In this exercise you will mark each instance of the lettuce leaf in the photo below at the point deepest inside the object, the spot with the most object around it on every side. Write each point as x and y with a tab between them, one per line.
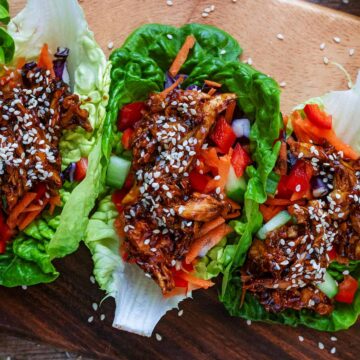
27	260
344	106
138	68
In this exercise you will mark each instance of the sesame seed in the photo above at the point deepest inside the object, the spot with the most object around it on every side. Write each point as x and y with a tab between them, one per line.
280	36
322	46
301	338
181	312
321	346
333	338
282	84
102	317
92	279
325	60
337	39
110	45
90	319
158	337
204	14
95	306
248	322
222	52
351	52
24	287
169	3
333	350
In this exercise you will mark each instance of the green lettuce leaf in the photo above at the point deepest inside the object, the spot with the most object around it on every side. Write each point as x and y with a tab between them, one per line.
27	260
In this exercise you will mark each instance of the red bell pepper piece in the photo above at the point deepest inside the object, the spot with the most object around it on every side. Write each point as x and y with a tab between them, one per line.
198	181
126	138
5	233
130	114
81	169
347	290
240	160
332	254
318	116
223	135
40	190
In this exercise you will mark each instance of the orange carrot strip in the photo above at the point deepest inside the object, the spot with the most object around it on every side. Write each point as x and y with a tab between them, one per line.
31	208
175	292
19	208
45	60
131	195
213	84
54	201
205	284
211	225
268	212
168	90
230	112
212	91
285	121
182	55
304	128
233	215
206	242
32	216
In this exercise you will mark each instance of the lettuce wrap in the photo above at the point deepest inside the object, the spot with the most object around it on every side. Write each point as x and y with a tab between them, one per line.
344	108
28	258
139	68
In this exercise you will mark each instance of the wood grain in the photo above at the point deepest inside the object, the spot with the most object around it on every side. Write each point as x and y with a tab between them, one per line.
58	313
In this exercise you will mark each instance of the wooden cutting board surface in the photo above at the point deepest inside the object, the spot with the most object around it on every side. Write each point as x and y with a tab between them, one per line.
58	313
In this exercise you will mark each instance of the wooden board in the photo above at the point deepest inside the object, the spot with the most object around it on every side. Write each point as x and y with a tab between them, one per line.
58	313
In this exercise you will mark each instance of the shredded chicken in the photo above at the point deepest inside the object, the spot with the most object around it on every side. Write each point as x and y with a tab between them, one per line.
160	222
34	113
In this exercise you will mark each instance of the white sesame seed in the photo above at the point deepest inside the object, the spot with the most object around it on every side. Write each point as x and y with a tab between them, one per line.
204	14
280	36
333	350
102	317
92	279
248	322
24	287
90	319
333	338
249	61
325	60
169	3
351	52
282	84
169	36
336	39
301	338
321	346
95	306
322	46
110	45
222	52
158	337
180	313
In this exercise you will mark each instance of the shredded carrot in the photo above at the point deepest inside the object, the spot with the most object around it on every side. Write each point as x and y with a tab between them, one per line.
212	91
32	216
182	55
233	204
306	194
45	60
207	241
213	84
175	292
31	208
131	196
230	111
211	225
279	202
19	208
233	215
119	227
285	121
168	90
205	284
20	63
306	131
268	212
54	201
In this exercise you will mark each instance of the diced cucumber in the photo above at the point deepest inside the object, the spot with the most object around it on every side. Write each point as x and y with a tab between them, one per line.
117	171
278	220
329	286
235	187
